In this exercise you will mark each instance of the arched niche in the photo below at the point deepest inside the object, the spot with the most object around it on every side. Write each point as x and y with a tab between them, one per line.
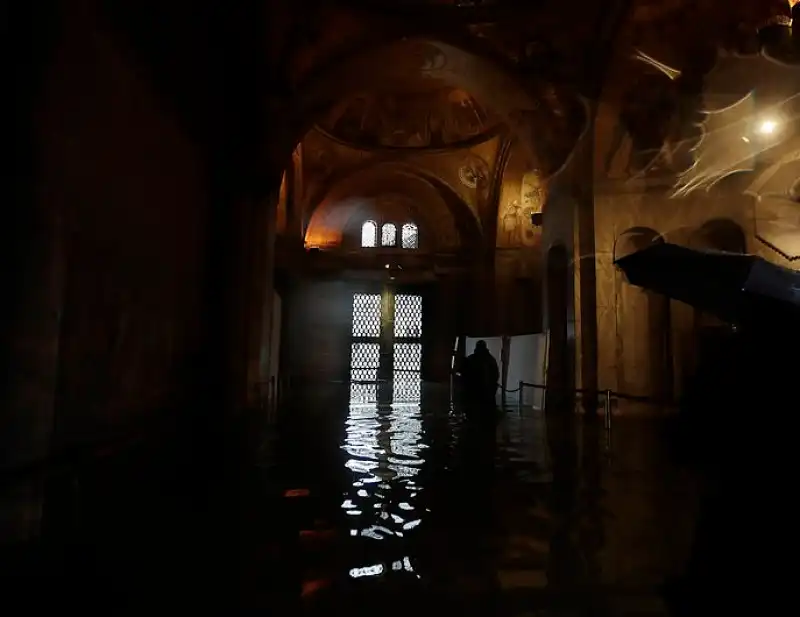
448	222
643	327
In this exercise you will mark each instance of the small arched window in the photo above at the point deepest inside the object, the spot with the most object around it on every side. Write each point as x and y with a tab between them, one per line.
410	236
369	234
389	234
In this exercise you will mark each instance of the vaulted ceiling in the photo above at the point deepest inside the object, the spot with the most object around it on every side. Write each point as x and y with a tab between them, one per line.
439	89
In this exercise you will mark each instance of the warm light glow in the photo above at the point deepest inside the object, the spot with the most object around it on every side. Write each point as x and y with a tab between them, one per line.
767	127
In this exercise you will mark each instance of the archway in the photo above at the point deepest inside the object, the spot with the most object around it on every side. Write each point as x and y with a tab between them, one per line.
643	328
520	109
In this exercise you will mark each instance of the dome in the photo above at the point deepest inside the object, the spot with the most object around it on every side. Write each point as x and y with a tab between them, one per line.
437	118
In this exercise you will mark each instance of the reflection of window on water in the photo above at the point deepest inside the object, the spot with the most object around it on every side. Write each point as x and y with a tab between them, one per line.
385	453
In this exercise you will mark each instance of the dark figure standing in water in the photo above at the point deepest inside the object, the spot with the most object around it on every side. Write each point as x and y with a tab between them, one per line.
480	375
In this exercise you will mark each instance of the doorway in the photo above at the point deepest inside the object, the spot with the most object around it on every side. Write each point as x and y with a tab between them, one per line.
386	347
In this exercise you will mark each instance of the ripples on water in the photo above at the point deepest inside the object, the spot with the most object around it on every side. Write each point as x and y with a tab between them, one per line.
391	465
385	453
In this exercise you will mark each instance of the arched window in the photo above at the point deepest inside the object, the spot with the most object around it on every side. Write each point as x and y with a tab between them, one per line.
369	234
409	236
389	234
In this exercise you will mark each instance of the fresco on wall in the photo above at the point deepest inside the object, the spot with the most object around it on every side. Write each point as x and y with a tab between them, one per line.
522	195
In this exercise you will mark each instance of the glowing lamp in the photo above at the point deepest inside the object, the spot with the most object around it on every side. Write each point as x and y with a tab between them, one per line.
767	127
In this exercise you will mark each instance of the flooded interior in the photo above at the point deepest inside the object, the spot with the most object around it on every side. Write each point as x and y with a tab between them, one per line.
408	502
271	265
354	506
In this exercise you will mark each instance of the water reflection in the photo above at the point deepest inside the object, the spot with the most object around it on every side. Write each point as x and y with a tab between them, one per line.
385	454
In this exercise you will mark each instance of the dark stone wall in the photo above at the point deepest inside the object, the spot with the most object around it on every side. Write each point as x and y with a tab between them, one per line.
132	194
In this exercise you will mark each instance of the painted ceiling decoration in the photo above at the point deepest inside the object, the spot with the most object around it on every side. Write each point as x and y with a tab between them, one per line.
474	173
437	117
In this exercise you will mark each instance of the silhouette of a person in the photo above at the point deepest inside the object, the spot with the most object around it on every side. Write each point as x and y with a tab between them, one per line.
480	374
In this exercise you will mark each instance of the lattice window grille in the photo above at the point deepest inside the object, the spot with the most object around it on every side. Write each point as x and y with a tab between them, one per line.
366	315
389	235
407	316
364	361
369	234
409	236
407	357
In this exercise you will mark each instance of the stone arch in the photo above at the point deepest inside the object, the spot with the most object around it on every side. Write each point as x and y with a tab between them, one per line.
435	207
455	63
643	327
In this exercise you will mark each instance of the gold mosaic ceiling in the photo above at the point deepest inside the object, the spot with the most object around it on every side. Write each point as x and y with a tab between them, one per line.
430	118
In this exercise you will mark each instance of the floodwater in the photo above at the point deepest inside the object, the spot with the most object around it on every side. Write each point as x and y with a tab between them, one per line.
365	508
410	503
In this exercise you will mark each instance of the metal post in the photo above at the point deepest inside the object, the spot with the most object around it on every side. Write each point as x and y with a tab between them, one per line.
607	410
519	395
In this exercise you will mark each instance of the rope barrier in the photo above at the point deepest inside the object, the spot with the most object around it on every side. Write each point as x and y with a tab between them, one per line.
600	393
